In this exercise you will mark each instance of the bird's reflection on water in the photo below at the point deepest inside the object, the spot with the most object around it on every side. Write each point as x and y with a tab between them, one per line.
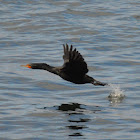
69	107
78	117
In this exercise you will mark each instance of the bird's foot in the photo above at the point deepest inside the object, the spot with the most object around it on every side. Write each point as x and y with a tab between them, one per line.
98	83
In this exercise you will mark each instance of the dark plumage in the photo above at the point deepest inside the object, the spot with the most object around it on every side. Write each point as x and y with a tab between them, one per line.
74	68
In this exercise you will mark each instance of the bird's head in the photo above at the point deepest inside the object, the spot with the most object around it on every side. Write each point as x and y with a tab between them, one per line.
34	65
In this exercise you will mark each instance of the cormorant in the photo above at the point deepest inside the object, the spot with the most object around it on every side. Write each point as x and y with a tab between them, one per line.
74	68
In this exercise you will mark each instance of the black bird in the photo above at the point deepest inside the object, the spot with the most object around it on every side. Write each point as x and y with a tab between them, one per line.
74	68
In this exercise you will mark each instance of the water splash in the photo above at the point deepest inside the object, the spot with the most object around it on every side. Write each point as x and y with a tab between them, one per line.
117	94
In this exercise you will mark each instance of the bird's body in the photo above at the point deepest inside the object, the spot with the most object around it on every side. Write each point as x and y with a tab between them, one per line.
74	68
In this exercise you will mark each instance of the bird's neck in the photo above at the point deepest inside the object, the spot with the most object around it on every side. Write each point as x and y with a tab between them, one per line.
44	66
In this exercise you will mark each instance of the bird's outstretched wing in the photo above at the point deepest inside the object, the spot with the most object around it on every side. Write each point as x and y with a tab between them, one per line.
74	63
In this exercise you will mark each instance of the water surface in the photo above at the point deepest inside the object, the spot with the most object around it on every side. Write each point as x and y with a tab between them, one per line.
36	104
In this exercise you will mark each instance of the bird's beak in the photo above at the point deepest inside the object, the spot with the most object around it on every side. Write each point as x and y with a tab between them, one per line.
28	66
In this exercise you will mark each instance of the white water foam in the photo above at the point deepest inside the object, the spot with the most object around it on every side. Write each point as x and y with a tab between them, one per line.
116	93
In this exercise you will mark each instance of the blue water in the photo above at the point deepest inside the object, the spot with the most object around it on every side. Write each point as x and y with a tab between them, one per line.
38	105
